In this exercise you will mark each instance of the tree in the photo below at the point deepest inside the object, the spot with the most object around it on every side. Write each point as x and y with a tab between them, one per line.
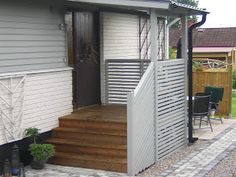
193	3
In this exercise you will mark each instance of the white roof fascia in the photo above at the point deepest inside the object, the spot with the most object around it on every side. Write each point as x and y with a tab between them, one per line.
128	3
185	6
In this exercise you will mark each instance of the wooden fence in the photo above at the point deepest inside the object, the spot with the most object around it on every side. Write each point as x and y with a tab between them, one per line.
222	78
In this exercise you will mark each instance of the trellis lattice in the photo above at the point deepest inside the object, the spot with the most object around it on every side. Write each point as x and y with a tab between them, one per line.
161	24
144	38
12	105
207	63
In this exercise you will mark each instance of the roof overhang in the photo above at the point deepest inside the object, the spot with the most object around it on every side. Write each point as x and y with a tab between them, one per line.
164	7
137	4
212	49
186	9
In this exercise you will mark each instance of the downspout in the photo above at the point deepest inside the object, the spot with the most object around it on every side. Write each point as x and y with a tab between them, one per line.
190	77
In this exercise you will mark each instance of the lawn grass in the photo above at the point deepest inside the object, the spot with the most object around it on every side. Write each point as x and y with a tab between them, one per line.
234	105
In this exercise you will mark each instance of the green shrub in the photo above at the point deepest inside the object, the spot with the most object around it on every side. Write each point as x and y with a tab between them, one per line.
234	79
41	151
32	133
172	54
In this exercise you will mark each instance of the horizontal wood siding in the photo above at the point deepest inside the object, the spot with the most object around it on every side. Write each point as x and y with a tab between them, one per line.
30	37
119	39
47	97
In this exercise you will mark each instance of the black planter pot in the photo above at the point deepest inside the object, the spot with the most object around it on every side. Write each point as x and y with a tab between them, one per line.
38	164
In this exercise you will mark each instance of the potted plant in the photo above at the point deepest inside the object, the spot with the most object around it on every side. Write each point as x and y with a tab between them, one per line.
40	152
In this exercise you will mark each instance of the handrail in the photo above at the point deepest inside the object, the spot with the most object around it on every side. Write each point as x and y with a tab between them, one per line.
141	83
128	60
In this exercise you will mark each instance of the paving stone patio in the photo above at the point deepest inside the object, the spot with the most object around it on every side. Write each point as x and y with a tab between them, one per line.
61	171
205	133
200	162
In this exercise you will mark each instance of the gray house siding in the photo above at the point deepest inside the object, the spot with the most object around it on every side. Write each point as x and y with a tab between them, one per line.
30	35
119	40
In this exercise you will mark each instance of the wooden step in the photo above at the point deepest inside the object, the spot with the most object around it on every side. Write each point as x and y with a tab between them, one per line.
72	146
88	161
89	136
93	137
93	124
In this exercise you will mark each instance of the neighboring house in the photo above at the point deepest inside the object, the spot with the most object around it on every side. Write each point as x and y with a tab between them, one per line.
113	44
211	43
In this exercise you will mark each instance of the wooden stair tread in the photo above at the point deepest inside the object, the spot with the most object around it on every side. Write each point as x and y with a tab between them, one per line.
91	158
107	108
76	130
98	131
93	137
94	118
79	143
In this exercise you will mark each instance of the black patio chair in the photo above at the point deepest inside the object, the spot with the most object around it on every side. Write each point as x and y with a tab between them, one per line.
201	108
217	94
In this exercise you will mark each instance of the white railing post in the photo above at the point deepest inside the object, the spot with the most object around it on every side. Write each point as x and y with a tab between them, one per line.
184	53
130	139
154	35
154	53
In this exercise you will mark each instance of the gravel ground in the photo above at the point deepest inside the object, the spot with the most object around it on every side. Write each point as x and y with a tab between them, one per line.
170	160
226	168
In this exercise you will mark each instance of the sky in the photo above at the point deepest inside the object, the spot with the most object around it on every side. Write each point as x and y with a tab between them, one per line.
222	13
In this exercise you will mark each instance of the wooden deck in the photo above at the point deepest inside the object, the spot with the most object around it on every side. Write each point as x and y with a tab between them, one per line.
94	137
115	113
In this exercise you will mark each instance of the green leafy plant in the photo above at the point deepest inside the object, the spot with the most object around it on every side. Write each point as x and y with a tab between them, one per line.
32	133
234	79
172	54
41	151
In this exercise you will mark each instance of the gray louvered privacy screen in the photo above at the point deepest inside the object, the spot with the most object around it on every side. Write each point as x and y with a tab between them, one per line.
122	76
157	114
170	106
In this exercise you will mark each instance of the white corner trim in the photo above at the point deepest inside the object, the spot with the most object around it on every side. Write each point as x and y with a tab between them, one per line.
36	71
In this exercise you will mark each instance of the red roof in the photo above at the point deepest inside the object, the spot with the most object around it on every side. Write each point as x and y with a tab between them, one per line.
208	37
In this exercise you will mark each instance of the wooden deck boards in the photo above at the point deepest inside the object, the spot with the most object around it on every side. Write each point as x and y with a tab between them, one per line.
100	113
